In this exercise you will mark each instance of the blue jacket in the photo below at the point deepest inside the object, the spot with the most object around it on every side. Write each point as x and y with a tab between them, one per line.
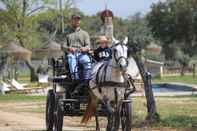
103	54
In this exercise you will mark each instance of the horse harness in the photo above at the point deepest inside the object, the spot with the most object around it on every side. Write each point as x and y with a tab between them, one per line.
104	82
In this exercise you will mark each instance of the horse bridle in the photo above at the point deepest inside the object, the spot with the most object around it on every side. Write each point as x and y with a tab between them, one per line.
117	60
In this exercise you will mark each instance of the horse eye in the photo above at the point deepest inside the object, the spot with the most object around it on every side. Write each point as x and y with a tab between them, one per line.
114	50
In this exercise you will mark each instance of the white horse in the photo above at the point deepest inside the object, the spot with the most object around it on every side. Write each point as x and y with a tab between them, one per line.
111	86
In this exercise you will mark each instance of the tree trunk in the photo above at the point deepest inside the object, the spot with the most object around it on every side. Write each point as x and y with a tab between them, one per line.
62	16
182	70
33	74
194	70
151	105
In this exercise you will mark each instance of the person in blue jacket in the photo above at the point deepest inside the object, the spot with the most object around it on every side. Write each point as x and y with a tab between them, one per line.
103	52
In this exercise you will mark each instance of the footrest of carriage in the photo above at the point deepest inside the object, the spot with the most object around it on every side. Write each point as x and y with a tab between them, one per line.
57	79
69	100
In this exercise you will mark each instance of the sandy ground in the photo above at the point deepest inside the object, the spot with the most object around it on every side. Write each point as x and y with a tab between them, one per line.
11	119
17	117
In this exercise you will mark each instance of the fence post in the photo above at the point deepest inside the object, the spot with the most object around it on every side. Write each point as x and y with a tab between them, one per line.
161	71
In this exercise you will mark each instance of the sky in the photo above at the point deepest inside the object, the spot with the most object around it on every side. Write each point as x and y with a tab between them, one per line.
121	8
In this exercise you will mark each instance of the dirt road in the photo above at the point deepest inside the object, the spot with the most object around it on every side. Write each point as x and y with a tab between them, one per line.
13	117
17	117
10	121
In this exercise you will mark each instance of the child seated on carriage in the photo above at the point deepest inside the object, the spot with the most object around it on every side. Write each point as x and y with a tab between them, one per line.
103	52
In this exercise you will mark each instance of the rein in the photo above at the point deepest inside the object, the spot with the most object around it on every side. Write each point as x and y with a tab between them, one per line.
113	83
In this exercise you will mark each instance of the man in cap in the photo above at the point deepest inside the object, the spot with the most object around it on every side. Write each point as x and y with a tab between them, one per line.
77	45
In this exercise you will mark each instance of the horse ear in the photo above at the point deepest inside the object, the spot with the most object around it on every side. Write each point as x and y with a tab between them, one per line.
125	41
114	40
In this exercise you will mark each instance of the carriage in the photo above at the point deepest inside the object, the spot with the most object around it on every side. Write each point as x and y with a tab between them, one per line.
61	102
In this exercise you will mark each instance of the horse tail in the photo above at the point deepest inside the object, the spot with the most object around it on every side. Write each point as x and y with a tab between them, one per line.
91	109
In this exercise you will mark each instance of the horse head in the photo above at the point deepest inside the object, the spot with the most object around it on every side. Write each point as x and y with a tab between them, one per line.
119	54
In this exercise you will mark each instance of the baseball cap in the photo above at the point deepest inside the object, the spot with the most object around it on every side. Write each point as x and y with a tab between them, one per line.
76	16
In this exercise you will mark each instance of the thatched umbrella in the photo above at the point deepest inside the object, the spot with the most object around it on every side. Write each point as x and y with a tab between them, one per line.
16	52
49	50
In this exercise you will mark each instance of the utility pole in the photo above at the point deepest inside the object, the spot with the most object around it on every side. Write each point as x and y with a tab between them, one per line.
62	16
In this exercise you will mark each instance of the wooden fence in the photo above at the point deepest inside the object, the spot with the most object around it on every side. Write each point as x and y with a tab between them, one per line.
173	71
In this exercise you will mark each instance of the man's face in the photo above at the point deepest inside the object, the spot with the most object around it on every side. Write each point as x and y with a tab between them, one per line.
76	22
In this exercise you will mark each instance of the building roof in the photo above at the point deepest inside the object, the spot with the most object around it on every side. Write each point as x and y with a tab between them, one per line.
49	50
18	52
148	61
51	46
106	13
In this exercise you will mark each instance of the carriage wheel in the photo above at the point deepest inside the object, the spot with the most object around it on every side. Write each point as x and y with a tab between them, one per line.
59	118
50	104
126	116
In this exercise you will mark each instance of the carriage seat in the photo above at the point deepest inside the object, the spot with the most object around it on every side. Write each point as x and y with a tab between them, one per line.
61	70
59	66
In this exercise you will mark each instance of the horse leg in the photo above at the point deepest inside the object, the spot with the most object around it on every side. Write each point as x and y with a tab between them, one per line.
109	117
113	117
110	121
97	121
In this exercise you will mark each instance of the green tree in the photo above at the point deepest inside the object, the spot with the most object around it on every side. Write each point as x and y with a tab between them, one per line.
19	24
183	59
92	24
174	23
120	27
50	24
139	33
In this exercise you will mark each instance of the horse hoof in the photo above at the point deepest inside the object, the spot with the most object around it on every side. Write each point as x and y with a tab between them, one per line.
98	129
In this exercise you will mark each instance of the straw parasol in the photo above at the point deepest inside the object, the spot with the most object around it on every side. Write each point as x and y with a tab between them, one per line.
49	50
16	51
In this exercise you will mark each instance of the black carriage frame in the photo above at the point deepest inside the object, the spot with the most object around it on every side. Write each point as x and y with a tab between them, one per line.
60	104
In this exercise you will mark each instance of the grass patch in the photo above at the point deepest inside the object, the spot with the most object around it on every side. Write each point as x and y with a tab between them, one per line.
175	112
182	79
20	98
191	97
179	121
24	79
